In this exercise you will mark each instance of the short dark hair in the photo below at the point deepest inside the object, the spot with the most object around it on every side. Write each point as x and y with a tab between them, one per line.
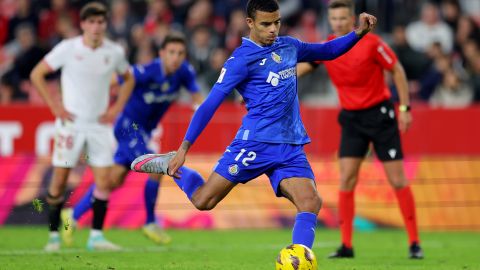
261	5
174	37
342	4
93	9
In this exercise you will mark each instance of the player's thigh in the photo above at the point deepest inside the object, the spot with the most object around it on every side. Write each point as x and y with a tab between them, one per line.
303	193
353	142
291	162
68	144
99	147
213	191
241	162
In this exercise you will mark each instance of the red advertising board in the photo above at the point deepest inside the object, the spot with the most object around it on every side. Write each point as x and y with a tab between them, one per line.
29	129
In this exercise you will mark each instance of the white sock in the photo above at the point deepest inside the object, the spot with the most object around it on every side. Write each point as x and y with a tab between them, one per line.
96	233
54	234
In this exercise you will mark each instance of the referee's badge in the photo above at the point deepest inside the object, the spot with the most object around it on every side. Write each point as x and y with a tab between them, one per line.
233	169
277	58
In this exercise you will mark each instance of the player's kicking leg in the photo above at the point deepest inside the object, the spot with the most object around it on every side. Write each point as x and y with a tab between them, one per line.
203	195
55	200
96	240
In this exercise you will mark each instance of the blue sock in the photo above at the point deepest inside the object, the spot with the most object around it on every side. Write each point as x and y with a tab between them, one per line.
190	181
150	195
304	229
84	204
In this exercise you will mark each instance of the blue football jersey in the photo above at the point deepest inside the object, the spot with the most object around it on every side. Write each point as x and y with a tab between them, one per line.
154	92
266	78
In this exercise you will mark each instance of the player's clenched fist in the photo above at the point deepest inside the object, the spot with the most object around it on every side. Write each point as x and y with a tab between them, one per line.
366	23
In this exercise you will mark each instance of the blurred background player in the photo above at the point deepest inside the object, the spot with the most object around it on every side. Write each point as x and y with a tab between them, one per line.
271	138
157	85
82	117
367	116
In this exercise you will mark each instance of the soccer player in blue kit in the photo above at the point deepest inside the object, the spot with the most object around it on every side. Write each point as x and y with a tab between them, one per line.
271	138
157	85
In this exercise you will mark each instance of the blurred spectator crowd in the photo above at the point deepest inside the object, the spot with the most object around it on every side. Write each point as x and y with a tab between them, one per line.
438	42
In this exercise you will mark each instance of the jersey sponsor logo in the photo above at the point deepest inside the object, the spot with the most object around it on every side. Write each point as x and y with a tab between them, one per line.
78	57
222	74
150	98
233	169
165	86
274	78
287	73
277	58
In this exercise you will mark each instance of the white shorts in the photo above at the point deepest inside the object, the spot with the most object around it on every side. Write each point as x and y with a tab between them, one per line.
94	140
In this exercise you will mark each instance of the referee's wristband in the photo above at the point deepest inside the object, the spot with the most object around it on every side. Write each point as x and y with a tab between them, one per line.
404	108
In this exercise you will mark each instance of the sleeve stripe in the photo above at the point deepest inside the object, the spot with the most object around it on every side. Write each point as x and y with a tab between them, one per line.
384	54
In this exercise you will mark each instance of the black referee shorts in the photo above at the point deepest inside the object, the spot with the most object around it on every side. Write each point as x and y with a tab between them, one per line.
377	124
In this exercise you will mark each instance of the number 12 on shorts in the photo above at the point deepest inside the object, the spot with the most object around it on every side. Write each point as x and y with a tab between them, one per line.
250	157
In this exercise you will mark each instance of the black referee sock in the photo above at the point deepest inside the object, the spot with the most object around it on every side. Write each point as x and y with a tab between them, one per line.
54	216
99	213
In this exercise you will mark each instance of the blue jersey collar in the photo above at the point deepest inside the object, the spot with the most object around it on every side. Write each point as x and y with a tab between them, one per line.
246	39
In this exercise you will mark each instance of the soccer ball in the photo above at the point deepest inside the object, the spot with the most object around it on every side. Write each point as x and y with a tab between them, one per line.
296	257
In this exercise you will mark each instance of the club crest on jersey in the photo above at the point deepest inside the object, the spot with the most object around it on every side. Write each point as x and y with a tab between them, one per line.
165	86
233	169
277	58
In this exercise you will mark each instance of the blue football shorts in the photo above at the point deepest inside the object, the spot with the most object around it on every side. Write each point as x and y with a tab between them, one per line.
132	140
246	160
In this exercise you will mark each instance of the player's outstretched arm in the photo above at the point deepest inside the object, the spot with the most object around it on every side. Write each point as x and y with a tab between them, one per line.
310	52
198	123
37	76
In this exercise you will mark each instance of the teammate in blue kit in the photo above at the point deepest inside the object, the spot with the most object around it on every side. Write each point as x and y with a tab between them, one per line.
271	138
157	85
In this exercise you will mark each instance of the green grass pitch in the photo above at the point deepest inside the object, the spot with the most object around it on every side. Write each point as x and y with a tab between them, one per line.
21	248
